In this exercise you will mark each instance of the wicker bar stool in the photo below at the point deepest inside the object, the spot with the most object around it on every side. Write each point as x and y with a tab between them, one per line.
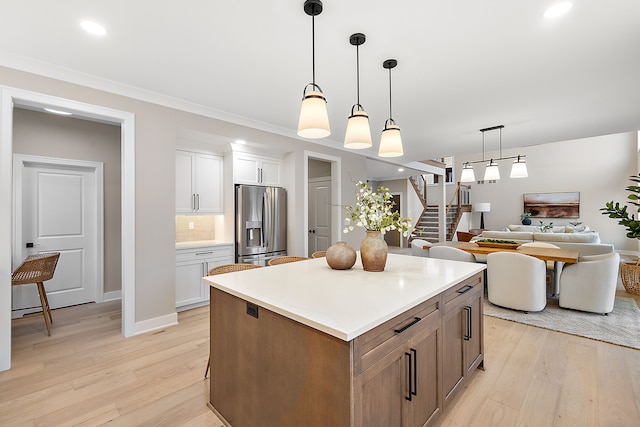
38	269
319	254
285	259
221	269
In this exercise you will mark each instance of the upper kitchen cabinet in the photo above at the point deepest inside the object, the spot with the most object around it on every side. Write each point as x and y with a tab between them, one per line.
199	187
252	169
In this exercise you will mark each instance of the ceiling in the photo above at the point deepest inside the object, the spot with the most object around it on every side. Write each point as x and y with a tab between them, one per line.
462	65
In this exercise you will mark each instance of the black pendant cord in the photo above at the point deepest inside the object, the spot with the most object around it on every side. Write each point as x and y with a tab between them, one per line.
483	146
313	50
390	115
358	73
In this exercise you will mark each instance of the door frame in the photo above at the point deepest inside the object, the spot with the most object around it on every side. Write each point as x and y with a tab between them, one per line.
20	161
336	194
11	97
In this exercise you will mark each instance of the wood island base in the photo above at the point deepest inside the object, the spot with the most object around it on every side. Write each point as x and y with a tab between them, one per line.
269	370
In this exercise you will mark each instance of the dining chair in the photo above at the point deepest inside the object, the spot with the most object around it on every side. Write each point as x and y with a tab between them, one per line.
454	254
419	247
286	259
38	269
516	281
590	284
222	269
319	254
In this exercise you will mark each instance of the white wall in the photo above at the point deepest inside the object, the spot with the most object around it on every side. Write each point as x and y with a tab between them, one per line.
597	167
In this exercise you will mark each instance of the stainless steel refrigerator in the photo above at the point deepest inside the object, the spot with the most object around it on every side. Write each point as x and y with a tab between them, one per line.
261	223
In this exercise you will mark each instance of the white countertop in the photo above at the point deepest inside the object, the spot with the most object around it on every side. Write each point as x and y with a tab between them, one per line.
344	303
201	243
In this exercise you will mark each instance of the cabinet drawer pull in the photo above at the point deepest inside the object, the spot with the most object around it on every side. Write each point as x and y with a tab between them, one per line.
204	253
407	326
409	375
465	289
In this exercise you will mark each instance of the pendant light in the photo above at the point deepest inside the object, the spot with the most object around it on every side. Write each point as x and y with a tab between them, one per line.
467	174
358	134
492	173
519	168
314	120
391	141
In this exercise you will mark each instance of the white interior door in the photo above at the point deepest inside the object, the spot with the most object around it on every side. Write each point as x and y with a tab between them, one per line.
319	215
60	209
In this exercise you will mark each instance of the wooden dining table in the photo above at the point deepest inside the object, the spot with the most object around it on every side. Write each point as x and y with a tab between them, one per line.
557	256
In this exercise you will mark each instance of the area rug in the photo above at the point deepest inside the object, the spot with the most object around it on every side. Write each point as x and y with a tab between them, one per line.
620	327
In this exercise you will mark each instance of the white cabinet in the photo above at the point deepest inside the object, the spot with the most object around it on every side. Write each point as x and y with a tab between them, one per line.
251	169
192	265
198	183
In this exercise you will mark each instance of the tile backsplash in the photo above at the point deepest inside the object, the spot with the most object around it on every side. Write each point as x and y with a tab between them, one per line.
203	228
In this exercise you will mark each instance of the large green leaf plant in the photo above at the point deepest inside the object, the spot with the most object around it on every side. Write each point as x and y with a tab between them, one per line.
620	212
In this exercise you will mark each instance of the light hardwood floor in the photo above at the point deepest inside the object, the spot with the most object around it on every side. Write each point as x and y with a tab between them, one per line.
87	374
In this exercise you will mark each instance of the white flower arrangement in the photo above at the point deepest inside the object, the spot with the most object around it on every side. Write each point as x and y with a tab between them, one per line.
373	211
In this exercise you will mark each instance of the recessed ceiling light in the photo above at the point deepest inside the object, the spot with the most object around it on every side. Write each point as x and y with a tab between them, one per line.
557	10
93	28
400	169
241	141
60	112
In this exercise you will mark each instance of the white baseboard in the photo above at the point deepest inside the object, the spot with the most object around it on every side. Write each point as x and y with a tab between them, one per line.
156	323
111	296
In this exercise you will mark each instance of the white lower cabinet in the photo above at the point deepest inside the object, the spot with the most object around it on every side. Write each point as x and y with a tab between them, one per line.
192	264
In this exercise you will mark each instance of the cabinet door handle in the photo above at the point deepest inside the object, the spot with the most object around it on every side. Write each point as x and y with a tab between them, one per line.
407	326
465	289
467	313
193	202
414	388
198	201
409	375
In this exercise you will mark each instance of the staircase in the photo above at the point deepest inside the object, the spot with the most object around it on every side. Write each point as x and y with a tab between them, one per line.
427	227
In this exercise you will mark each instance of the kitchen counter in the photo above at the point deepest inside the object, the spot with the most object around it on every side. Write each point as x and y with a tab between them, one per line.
302	344
344	303
201	243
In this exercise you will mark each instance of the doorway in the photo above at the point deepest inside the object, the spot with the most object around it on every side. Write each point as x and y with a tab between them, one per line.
322	184
11	98
58	208
393	237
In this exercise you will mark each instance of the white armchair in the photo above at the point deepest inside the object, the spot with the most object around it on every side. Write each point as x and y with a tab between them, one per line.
516	281
590	284
419	247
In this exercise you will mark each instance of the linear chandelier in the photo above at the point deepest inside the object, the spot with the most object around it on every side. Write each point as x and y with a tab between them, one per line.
491	172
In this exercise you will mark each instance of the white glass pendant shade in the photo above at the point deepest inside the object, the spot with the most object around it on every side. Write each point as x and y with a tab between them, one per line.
467	174
358	134
519	168
492	173
314	120
391	142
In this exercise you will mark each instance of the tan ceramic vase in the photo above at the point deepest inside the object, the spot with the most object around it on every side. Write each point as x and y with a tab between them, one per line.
373	251
341	256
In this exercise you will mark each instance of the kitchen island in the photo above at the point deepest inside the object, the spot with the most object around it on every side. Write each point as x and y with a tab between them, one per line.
302	344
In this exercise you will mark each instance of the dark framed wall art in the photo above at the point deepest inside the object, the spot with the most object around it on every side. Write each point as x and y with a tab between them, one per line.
553	205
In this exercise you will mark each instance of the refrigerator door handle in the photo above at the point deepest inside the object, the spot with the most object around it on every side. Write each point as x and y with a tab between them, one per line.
265	222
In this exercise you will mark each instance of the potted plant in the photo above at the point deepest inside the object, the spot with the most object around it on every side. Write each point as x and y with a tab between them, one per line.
629	272
525	218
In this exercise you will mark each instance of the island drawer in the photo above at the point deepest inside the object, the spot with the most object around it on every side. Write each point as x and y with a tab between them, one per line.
455	296
375	344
